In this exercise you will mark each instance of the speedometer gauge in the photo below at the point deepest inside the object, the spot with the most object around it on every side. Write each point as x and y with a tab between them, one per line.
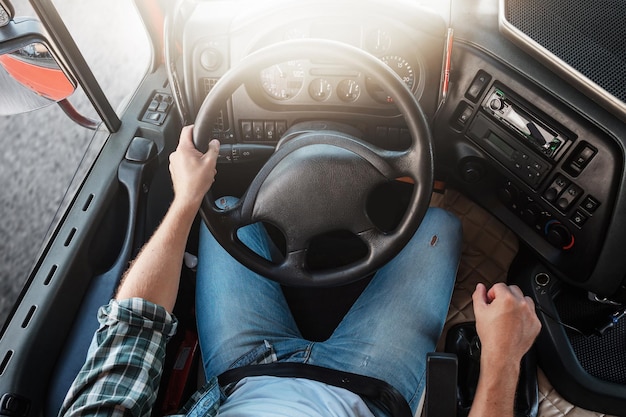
283	81
400	66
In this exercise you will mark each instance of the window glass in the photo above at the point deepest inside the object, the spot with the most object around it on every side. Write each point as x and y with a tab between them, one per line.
113	41
41	150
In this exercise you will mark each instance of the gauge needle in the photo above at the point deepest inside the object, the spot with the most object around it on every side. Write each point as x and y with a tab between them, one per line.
280	71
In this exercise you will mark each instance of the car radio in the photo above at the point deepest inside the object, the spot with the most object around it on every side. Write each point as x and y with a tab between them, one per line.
517	138
528	128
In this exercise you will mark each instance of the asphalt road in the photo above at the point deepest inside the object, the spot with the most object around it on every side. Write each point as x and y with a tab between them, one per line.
39	151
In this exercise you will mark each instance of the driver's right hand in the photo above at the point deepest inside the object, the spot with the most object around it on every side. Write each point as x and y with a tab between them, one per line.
506	322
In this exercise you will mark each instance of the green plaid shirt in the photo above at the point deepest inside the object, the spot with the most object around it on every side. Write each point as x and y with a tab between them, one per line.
124	364
125	360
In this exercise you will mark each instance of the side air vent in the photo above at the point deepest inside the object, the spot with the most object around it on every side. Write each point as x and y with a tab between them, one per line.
586	37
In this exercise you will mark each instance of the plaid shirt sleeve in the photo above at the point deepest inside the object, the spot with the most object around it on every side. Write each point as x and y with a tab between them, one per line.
123	368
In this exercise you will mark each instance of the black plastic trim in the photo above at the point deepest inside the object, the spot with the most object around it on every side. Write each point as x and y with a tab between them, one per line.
70	53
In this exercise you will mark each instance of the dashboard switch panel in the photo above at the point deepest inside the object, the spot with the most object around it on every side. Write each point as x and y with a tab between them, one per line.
262	130
540	219
562	193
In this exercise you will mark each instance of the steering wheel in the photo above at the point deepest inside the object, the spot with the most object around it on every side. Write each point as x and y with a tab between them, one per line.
319	181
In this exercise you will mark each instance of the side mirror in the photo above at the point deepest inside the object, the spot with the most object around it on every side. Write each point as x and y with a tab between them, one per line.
31	77
6	12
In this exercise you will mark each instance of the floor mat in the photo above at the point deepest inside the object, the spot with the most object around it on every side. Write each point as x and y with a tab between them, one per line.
488	250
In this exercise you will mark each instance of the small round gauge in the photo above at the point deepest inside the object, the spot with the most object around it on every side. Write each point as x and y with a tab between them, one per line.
348	90
378	41
401	67
320	89
283	81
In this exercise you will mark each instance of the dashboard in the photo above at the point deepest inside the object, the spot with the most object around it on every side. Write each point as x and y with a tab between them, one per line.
541	157
304	89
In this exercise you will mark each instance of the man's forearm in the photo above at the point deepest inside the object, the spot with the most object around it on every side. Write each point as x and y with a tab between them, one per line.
124	364
495	394
155	274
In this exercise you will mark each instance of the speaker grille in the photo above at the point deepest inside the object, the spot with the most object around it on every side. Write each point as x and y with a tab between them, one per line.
588	35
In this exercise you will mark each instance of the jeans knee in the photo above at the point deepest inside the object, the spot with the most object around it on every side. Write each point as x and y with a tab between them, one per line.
445	221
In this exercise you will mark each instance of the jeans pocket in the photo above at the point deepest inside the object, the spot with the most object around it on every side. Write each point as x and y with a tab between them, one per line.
263	353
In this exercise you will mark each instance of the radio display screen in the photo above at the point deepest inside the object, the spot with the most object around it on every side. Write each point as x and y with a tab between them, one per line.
500	144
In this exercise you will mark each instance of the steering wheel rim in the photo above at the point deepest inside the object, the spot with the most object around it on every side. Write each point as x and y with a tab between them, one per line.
257	204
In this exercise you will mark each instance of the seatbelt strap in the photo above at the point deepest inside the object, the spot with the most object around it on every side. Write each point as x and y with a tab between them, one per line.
375	390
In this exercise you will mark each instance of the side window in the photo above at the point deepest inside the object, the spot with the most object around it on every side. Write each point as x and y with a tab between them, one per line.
40	151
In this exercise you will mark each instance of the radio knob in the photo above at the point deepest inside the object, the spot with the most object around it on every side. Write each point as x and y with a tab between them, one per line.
558	235
496	104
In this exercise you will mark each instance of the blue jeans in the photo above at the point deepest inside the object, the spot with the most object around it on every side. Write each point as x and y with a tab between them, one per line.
386	334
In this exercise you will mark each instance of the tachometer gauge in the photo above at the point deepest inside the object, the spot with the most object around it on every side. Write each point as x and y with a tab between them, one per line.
283	81
401	67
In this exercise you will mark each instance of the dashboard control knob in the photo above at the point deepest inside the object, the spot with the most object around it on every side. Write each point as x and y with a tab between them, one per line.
211	59
496	104
508	194
472	171
558	235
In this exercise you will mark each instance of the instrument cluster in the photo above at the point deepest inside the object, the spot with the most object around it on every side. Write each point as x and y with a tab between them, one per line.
410	40
323	83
